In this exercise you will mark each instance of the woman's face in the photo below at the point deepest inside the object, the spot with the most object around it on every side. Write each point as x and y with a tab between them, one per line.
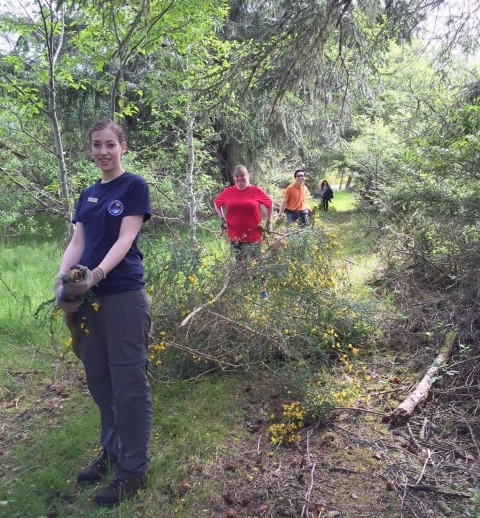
107	151
242	179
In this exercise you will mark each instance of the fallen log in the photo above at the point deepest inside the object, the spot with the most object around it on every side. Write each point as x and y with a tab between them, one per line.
406	408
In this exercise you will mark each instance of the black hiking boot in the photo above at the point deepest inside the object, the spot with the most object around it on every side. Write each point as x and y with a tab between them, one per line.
120	489
97	469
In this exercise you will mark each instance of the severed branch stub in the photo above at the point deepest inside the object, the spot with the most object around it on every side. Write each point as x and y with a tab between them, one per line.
406	408
71	319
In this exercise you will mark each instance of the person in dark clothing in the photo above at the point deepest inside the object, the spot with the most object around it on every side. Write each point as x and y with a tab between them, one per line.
114	342
326	193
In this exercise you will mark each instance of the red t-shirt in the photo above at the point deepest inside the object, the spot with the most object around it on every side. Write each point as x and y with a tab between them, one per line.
243	212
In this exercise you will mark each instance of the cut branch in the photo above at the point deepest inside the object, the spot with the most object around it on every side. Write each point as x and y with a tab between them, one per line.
203	306
405	409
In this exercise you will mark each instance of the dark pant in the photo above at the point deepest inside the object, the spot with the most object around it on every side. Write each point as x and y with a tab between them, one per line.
245	251
325	203
297	215
114	353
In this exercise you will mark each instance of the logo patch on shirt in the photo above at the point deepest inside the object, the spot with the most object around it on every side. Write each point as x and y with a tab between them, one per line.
93	200
115	208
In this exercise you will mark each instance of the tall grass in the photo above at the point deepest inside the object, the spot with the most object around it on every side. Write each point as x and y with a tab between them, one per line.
26	280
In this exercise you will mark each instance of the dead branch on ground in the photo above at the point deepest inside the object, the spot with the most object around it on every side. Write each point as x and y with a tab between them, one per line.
405	409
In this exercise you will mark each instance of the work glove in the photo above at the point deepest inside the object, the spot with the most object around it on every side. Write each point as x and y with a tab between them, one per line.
269	227
90	278
68	305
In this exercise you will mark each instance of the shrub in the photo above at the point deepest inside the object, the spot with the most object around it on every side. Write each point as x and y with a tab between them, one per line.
209	315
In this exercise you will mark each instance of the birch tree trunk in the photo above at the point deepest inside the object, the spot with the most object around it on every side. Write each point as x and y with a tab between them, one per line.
192	201
54	45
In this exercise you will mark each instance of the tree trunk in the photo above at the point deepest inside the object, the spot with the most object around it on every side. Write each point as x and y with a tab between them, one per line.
342	172
192	202
114	94
224	153
53	53
349	182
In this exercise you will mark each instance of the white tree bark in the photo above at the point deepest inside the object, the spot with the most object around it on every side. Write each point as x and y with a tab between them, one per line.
406	408
53	46
192	201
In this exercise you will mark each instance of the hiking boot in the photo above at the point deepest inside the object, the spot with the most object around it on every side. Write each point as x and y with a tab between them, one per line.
97	469
119	489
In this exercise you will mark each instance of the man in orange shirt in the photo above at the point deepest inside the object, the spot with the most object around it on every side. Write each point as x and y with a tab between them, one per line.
294	201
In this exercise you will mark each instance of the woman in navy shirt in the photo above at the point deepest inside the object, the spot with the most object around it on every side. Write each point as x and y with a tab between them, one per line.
107	222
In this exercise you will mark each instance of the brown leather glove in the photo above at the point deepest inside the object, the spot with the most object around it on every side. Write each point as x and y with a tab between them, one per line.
90	278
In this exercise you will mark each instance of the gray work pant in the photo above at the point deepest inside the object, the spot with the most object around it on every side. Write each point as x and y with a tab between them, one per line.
114	353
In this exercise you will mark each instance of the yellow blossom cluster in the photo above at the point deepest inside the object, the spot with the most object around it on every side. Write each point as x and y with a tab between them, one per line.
293	416
156	349
307	315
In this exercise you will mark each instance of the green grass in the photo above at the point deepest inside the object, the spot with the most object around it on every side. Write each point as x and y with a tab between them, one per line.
42	449
40	475
26	280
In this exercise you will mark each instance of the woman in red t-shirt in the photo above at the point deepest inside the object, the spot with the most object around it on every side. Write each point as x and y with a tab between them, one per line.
242	202
244	216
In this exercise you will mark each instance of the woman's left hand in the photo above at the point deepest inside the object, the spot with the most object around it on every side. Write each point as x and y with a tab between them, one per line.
90	278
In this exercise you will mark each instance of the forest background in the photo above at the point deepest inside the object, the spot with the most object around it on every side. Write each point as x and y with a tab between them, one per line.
382	99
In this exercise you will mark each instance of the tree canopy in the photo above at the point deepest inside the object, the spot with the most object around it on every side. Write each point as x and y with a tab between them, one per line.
366	88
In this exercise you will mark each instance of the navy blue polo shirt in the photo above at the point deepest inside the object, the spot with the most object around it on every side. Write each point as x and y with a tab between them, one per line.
101	209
